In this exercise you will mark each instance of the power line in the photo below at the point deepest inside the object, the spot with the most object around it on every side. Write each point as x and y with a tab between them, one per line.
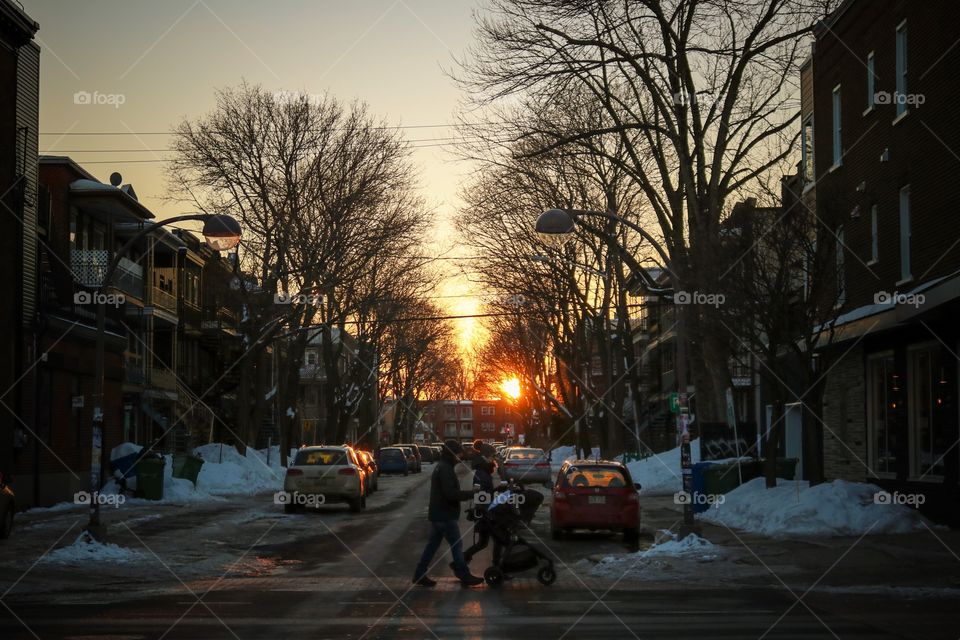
168	133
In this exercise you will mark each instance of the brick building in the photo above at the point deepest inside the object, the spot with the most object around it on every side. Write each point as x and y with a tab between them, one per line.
881	141
488	419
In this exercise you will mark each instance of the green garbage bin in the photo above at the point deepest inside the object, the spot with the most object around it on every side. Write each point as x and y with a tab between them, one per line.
150	478
188	467
720	478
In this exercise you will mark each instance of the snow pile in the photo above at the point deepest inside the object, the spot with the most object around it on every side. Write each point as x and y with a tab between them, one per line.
676	557
561	454
86	549
660	473
837	508
690	545
226	472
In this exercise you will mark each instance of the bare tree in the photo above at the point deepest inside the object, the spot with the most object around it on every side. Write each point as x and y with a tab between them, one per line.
702	95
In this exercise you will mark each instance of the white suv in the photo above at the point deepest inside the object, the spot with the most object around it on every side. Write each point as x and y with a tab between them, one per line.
323	475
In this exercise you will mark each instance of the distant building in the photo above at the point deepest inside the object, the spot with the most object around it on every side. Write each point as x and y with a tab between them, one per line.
466	420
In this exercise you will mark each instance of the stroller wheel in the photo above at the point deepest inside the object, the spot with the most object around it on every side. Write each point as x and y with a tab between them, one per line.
493	576
547	575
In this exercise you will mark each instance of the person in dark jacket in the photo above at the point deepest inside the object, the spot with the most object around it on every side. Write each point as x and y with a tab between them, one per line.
483	476
444	516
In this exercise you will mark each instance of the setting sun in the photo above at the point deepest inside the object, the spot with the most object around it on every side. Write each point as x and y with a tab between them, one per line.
511	387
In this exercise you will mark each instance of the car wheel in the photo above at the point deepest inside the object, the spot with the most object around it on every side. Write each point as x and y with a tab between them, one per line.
7	525
356	504
631	535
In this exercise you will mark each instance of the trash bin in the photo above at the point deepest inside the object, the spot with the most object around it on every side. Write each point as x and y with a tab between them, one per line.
126	465
150	478
186	466
699	472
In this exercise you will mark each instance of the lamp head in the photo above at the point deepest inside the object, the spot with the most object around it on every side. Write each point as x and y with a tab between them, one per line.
221	232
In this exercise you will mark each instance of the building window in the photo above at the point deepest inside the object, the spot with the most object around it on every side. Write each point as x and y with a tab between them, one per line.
874	235
883	404
901	97
466	429
905	271
488	411
871	81
806	151
450	412
311	357
837	131
932	404
466	413
841	277
311	396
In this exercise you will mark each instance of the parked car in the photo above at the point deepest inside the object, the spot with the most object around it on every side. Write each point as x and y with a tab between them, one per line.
413	464
427	453
393	460
324	475
418	463
595	495
528	465
8	506
369	464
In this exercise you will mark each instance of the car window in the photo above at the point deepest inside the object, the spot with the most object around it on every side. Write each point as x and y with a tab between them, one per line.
580	477
391	454
525	454
320	457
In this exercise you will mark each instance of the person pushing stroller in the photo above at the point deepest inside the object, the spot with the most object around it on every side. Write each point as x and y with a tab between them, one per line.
484	489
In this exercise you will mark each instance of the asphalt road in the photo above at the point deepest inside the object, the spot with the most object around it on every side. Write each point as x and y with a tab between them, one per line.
332	574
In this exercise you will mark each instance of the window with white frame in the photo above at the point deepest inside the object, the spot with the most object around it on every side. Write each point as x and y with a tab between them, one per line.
871	81
932	410
466	413
901	97
806	150
841	276
905	233
883	401
837	129
488	411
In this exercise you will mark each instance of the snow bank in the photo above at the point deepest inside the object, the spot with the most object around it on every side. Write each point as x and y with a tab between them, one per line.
226	472
561	454
86	549
837	508
660	473
670	554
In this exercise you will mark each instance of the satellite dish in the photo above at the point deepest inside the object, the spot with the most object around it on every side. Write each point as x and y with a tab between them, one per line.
116	178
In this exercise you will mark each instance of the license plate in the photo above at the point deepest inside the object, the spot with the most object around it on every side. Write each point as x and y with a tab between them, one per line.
597	499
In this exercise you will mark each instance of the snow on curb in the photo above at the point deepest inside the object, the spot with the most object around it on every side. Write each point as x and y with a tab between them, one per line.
678	556
837	508
561	454
660	473
86	549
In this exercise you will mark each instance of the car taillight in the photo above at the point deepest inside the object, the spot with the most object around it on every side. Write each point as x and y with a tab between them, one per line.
294	472
511	464
349	471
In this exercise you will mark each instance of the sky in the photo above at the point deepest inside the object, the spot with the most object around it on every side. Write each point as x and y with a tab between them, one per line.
136	68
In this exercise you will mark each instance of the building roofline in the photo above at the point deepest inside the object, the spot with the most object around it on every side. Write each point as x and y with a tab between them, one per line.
18	18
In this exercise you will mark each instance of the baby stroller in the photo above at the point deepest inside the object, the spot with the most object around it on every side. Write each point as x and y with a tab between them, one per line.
508	512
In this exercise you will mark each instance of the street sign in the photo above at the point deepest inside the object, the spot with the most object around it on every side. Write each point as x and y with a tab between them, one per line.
674	402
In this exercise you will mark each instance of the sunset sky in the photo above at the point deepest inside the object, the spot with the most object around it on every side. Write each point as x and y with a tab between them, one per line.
156	63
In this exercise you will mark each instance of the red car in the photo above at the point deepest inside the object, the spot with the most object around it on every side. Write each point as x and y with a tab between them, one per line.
595	495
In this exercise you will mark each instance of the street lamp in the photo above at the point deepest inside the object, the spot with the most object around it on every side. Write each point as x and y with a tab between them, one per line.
222	233
559	223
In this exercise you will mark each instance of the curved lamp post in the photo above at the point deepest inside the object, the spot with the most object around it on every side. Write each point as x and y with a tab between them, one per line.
555	223
222	233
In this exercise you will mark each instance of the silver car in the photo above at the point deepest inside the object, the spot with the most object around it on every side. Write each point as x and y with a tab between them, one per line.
526	465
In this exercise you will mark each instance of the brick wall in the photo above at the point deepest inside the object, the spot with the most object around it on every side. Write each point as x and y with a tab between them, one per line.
844	413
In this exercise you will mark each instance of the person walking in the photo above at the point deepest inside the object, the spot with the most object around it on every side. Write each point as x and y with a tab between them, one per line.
444	516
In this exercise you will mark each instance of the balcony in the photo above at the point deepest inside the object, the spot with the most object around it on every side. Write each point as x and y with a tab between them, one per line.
163	293
219	318
89	267
163	379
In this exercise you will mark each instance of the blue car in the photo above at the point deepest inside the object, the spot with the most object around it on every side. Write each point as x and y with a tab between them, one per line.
392	460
